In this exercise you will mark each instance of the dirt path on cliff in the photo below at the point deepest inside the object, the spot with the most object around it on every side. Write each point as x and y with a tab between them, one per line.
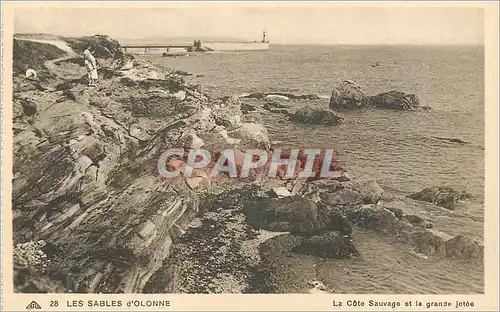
54	66
62	45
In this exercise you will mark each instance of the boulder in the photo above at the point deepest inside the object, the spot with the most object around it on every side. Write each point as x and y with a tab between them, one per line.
289	214
29	107
343	196
359	192
313	115
156	104
348	95
252	135
462	246
440	239
395	100
374	217
445	197
295	214
327	245
370	191
227	112
432	242
423	241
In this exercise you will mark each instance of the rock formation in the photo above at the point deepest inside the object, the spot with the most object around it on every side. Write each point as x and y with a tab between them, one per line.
252	135
85	176
348	95
327	245
445	197
395	100
313	115
93	214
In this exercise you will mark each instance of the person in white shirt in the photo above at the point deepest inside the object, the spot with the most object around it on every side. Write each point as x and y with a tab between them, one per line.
91	65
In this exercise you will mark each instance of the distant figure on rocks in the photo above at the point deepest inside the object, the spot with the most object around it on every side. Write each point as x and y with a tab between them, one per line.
91	65
31	74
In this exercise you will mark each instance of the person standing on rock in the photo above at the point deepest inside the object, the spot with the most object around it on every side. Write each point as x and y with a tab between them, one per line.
91	65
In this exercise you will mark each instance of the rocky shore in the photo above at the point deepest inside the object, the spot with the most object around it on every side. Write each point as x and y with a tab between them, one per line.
92	214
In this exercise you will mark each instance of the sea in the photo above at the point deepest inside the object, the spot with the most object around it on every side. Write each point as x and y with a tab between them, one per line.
396	148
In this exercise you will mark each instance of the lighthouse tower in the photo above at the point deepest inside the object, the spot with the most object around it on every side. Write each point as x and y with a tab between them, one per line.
264	37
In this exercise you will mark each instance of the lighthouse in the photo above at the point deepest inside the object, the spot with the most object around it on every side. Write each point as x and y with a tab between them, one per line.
264	37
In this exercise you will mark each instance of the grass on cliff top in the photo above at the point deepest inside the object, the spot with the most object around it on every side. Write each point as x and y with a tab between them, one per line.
29	54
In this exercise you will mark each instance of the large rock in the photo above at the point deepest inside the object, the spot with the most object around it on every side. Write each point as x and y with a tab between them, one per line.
431	242
424	242
370	191
445	197
395	100
252	135
348	95
327	245
227	112
290	214
295	214
463	247
345	196
313	115
375	218
360	192
157	104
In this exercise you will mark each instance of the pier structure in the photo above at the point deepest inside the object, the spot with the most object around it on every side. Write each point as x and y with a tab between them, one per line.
147	47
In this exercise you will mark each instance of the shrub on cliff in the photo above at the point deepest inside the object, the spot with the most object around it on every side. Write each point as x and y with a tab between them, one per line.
105	47
29	54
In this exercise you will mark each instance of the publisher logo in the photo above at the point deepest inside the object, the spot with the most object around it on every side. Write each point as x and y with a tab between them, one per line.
33	306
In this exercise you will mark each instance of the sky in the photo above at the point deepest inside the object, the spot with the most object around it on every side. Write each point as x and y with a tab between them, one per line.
285	24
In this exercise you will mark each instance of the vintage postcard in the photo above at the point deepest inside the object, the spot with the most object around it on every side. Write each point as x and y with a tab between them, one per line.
290	156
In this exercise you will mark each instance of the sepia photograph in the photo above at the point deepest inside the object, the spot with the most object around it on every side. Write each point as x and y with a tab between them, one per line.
281	148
